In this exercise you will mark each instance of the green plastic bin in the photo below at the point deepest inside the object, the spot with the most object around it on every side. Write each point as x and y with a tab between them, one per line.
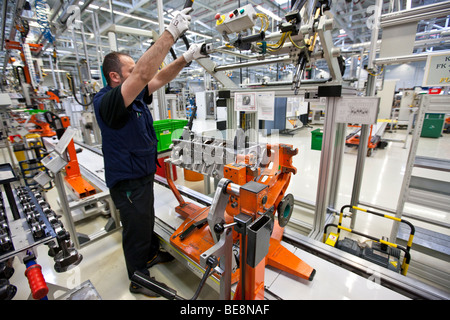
164	130
316	139
433	125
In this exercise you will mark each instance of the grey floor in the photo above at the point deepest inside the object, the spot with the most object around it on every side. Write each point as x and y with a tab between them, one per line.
103	263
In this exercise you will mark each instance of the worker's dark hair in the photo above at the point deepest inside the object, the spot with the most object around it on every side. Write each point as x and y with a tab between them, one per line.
111	63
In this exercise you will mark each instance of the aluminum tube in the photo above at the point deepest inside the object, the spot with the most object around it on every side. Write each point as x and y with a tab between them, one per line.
374	35
161	93
237	54
113	20
55	12
325	169
85	5
95	17
251	64
83	38
75	45
50	60
4	10
159	4
97	46
443	33
419	13
284	83
65	208
12	30
401	59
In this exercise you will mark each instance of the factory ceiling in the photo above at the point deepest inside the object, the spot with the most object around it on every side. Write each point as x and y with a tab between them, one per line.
136	25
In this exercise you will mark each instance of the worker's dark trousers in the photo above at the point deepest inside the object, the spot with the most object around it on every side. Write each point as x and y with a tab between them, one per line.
134	199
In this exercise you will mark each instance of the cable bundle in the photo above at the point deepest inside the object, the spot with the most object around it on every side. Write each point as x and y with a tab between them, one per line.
42	19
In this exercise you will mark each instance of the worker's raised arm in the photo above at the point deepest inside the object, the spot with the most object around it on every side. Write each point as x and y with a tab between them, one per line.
171	71
148	65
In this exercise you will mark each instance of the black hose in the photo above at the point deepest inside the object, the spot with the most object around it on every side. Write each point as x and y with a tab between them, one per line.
145	281
75	95
202	283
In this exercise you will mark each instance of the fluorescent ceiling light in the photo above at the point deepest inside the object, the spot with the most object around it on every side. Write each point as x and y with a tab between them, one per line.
203	24
269	13
55	70
50	50
95	7
199	34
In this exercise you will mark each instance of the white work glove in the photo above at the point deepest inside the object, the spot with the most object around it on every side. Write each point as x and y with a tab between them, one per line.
179	24
193	53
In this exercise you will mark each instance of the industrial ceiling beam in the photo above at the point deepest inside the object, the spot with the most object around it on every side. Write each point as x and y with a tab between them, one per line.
17	12
4	12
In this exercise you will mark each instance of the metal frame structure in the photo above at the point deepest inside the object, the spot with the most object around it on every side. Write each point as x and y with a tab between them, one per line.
408	193
334	133
104	17
333	144
405	285
68	206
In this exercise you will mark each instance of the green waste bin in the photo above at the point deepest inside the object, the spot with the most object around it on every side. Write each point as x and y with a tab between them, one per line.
433	125
316	139
164	130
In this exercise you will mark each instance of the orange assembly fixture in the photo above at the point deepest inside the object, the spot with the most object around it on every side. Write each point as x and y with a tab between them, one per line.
34	47
43	129
73	176
254	195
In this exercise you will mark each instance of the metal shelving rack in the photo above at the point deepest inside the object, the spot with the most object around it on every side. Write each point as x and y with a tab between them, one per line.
424	191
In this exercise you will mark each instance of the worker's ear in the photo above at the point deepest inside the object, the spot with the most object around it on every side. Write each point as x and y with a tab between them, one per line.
114	76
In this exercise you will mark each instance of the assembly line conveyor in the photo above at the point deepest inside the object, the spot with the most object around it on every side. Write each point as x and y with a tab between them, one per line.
339	275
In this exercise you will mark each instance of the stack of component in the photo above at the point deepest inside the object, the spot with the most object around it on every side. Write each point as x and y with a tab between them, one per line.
33	216
5	237
26	221
208	155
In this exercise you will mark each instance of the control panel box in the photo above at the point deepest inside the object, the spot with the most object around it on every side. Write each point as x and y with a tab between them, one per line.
237	20
5	100
54	162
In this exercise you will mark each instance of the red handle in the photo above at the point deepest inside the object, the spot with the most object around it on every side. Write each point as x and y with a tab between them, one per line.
36	281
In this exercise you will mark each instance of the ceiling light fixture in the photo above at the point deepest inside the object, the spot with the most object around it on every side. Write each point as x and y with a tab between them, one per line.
94	7
268	12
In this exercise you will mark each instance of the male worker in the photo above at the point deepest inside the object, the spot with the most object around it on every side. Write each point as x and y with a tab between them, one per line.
129	140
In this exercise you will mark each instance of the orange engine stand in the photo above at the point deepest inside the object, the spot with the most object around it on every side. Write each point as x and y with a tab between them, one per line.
44	128
73	177
260	193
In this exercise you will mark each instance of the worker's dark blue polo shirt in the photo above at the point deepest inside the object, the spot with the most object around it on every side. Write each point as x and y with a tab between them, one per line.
128	137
